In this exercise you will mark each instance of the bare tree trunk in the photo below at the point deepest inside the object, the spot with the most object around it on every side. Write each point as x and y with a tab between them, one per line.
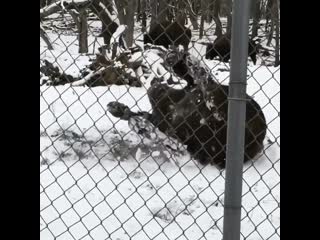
153	5
272	16
267	22
277	23
170	11
268	13
216	10
120	4
195	6
270	34
192	16
229	16
203	16
83	31
194	21
103	12
126	10
144	15
80	19
138	10
208	9
129	17
162	11
256	18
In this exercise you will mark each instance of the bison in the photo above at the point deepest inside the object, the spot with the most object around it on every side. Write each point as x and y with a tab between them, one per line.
197	116
169	33
221	48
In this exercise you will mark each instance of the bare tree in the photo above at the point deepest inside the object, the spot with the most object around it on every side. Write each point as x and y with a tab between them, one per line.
277	23
153	22
229	15
216	10
121	8
143	15
256	17
203	16
130	21
103	10
83	31
196	6
126	10
268	8
80	19
210	11
171	9
272	11
162	10
138	10
192	15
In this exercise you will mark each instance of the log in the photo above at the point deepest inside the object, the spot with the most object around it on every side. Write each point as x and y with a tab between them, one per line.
83	81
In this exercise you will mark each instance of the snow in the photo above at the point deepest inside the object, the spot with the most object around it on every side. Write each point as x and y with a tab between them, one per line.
99	180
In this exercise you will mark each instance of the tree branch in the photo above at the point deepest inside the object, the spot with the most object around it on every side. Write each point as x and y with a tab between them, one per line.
69	4
45	37
87	78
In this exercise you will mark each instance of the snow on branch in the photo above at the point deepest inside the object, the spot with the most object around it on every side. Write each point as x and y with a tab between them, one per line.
118	34
64	5
105	9
83	81
133	67
117	41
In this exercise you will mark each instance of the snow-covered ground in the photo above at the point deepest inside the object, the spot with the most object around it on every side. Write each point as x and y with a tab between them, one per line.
99	180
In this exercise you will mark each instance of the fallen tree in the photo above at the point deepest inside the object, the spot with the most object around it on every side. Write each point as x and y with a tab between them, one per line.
64	5
119	67
131	66
188	105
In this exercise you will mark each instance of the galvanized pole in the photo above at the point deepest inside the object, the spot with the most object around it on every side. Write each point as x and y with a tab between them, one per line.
236	120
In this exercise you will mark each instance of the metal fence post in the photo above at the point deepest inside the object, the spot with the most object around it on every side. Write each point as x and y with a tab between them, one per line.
236	120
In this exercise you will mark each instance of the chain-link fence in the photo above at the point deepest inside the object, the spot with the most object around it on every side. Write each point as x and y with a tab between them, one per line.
133	119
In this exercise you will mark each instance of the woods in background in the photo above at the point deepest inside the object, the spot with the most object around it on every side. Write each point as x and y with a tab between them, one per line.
264	17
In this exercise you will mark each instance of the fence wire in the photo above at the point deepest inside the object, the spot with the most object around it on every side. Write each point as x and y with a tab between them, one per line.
133	113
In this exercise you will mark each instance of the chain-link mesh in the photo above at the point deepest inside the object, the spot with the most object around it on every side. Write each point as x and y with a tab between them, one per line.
133	113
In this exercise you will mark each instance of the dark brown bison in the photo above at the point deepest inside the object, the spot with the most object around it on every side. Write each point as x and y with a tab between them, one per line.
169	33
221	48
197	117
